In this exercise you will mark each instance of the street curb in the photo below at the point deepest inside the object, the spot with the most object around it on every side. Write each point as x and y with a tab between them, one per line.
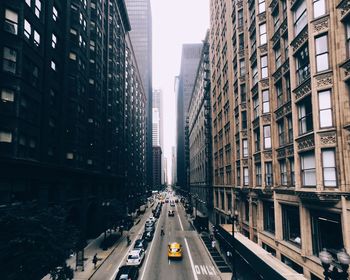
98	267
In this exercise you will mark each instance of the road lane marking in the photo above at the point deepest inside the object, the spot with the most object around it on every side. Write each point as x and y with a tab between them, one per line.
178	216
205	270
192	265
150	250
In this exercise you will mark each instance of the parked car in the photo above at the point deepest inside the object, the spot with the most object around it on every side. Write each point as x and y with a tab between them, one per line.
141	244
135	257
149	223
148	235
127	272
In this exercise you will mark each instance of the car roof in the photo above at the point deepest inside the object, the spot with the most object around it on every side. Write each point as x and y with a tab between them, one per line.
135	251
175	245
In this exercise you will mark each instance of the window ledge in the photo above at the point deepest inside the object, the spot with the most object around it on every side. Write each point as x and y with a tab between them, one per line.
290	245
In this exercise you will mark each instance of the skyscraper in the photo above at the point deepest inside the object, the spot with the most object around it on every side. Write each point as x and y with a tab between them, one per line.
184	85
140	17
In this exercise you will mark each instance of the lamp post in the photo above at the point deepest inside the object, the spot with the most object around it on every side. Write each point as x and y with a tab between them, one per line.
340	266
234	217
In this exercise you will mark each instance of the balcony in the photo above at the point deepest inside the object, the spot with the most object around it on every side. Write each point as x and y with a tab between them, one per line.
344	7
306	142
324	197
300	39
303	89
346	70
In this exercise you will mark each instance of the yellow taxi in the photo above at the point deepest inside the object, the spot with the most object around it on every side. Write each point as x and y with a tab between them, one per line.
175	250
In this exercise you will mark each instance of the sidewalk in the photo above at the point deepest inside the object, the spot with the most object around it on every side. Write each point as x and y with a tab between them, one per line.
93	248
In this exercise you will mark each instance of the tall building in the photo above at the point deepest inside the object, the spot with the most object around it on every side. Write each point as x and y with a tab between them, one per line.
184	84
200	150
157	108
64	111
139	12
173	165
280	102
157	167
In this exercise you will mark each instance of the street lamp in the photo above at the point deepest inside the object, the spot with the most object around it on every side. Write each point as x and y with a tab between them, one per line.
343	261
234	218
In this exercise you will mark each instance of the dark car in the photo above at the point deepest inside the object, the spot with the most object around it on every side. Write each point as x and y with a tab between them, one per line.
141	244
171	213
127	272
148	235
149	228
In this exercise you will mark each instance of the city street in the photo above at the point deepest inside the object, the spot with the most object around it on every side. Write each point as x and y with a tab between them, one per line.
195	263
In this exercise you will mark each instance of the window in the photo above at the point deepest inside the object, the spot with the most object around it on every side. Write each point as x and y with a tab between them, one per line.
245	147
305	115
266	101
73	31
11	22
325	108
258	174
279	93
261	6
322	63
300	17
72	56
246	176
263	35
10	59
292	171
276	20
54	13
308	169
255	74
291	224
319	8
53	65
53	41
27	29
322	236
329	168
36	38
7	95
242	67
283	172
269	217
264	67
269	249
244	119
268	174
256	106
246	211
288	90
28	2
243	93
240	18
290	129
37	8
303	64
238	176
241	42
292	264
257	140
278	59
348	38
267	137
5	137
281	138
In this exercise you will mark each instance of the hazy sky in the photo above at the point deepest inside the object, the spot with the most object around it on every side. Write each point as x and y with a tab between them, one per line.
175	22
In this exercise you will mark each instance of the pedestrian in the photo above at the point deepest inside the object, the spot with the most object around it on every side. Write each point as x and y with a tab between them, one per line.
213	243
94	260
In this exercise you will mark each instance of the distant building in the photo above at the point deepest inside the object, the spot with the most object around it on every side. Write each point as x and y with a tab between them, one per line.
199	133
157	167
184	85
173	166
140	16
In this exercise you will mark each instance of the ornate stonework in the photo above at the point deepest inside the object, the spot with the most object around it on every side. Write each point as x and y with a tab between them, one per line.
306	142
263	48
324	80
241	53
303	89
277	75
239	4
346	67
255	89
301	38
290	150
242	79
262	17
279	113
256	123
267	155
245	162
266	118
244	106
284	26
257	157
281	153
264	83
244	133
321	24
276	37
285	66
328	138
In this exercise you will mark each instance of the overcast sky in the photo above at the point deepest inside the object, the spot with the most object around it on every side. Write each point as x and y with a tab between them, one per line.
175	22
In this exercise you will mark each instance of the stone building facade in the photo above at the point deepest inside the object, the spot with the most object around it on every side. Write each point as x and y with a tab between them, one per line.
280	115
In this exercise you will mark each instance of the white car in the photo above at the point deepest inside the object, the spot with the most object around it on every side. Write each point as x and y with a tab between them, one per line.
135	257
152	219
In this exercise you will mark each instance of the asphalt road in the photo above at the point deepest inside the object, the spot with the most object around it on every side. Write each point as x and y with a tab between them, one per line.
195	263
